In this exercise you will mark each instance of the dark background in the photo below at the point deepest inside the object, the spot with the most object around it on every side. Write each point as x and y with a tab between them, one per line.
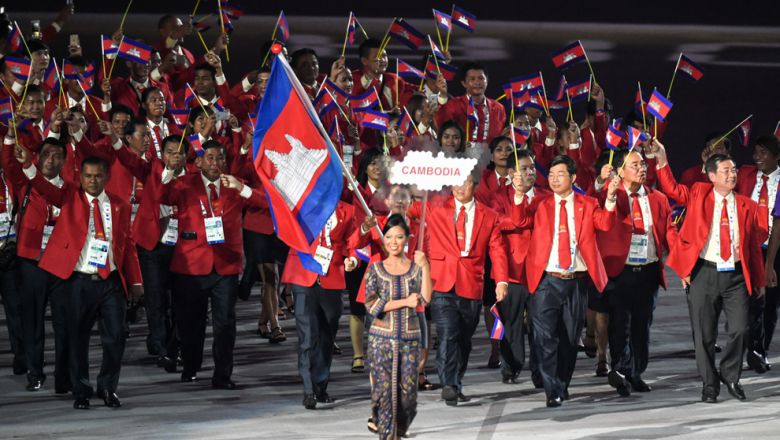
736	43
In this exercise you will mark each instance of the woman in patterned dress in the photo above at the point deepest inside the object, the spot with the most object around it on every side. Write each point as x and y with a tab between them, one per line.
394	288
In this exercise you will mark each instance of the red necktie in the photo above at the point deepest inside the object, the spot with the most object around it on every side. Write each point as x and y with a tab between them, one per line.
763	203
158	135
725	233
636	215
3	190
564	249
100	234
460	228
214	202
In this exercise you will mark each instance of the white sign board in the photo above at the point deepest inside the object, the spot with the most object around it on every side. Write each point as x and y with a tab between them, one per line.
431	173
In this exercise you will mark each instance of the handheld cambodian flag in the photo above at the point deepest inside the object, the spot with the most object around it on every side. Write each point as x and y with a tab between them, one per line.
635	137
197	147
561	95
640	102
442	20
296	162
435	49
15	39
618	123
200	24
20	67
406	34
6	109
658	105
520	135
135	51
530	83
521	100
569	56
471	111
227	23
447	71
109	47
87	78
407	71
340	94
463	18
351	28
230	10
51	78
614	137
373	119
179	116
369	99
189	94
497	333
323	103
406	124
282	29
744	132
689	69
579	91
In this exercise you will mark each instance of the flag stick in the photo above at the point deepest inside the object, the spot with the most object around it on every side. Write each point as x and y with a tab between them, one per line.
642	106
195	9
501	97
545	105
611	156
102	55
397	100
346	35
122	23
514	141
571	114
731	131
111	70
435	60
410	118
23	40
61	76
11	95
422	81
86	98
449	31
276	27
385	40
544	90
438	32
590	85
24	94
422	221
362	30
198	99
183	132
222	25
200	36
467	129
587	60
655	128
674	74
341	111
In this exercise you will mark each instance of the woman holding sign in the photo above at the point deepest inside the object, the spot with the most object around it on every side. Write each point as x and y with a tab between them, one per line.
394	288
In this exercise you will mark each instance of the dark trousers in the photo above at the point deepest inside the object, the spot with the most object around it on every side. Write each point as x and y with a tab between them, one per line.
456	319
191	295
710	293
12	303
317	313
89	298
162	338
558	316
762	316
38	288
631	300
512	346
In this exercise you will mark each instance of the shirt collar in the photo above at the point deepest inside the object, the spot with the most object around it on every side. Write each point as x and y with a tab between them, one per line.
641	191
538	125
137	84
57	180
206	182
530	194
365	82
569	198
771	175
719	198
469	205
102	197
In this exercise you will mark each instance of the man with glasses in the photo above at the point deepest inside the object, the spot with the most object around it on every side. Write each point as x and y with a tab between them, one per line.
718	256
632	251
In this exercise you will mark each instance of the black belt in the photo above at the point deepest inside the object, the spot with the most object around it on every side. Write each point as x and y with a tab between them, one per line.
640	267
93	276
703	262
568	275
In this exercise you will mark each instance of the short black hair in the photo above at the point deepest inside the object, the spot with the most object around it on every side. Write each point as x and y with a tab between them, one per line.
211	143
298	54
35	88
209	68
366	46
78	60
95	160
35	45
164	20
148	91
120	108
177	139
770	142
197	111
130	127
711	165
571	166
471	65
56	142
396	220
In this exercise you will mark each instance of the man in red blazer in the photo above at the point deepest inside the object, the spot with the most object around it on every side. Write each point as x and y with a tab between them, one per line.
154	105
718	256
373	74
462	233
562	258
36	221
760	183
633	258
318	303
93	252
155	231
490	114
207	260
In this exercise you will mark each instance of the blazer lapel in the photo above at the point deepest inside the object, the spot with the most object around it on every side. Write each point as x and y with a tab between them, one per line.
479	215
579	213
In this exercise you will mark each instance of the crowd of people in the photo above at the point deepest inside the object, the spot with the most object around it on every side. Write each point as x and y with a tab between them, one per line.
130	182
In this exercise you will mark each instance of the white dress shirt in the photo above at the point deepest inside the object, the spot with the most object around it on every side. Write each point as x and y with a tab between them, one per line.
711	250
647	220
470	208
577	261
104	205
773	179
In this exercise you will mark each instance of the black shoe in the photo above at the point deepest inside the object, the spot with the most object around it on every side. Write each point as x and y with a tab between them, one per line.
734	388
618	381
277	336
494	361
187	377
554	402
223	384
81	403
62	388
168	363
463	398
509	378
336	348
639	385
590	352
34	383
20	365
309	402
708	396
601	369
450	395
324	397
756	362
109	398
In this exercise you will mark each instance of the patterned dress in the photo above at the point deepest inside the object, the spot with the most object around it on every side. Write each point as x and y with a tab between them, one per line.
393	348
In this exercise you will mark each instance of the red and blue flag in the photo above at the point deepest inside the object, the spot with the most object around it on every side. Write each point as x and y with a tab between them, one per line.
447	71
463	18
283	28
689	69
179	116
579	91
520	135
109	47
134	51
15	39
635	137
20	67
200	24
614	137
497	333
530	83
373	119
197	147
406	34
569	56
407	71
6	109
442	20
406	124
323	102
230	10
659	106
369	99
340	94
471	111
744	132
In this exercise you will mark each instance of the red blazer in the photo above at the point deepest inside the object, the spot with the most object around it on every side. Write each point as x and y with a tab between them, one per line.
692	175
120	179
30	228
448	269
294	273
615	243
699	200
746	180
123	92
487	188
68	238
194	256
385	87
456	109
588	217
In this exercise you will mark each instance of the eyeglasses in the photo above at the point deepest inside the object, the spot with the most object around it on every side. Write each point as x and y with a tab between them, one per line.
558	176
637	166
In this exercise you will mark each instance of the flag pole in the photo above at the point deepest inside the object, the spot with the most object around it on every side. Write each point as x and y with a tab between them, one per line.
422	221
545	105
195	9
124	16
183	132
385	40
346	35
222	25
397	100
60	77
200	36
587	60
111	70
674	74
86	98
11	95
731	131
512	134
102	55
205	113
435	60
568	98
642	105
313	115
449	31
413	124
276	27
